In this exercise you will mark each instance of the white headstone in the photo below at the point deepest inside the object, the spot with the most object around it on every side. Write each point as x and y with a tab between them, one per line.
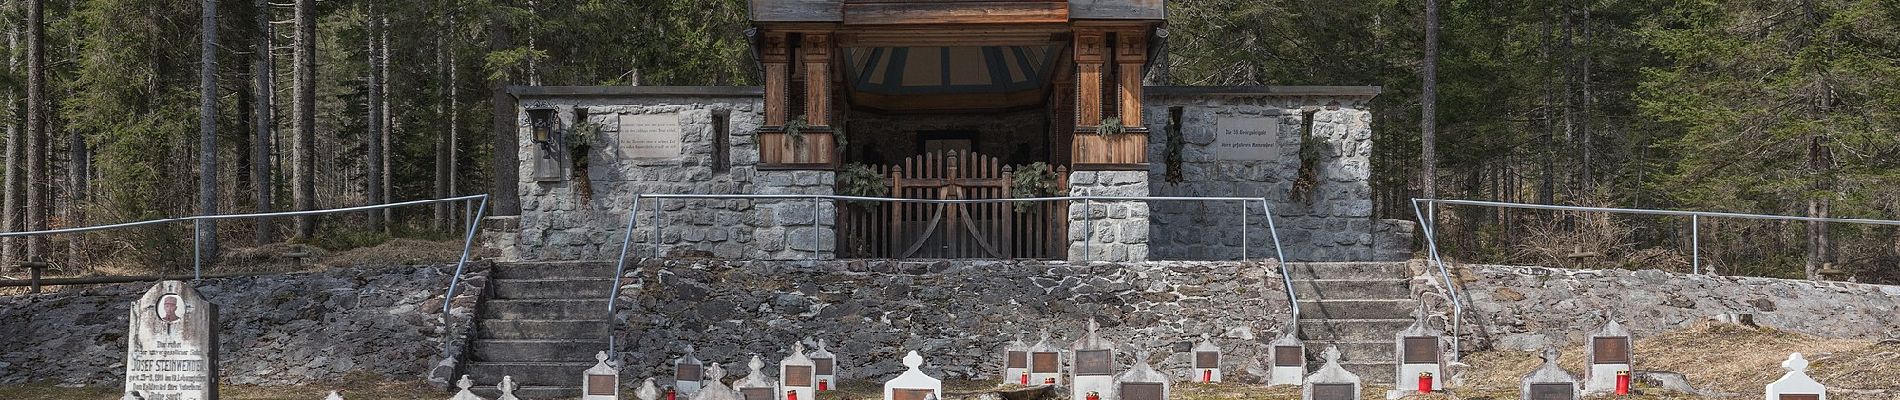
1331	382
1287	355
1421	354
1045	362
688	371
756	385
796	375
507	388
1016	361
913	384
1094	369
1795	385
1206	361
602	381
714	388
824	367
1550	381
647	390
333	396
464	394
1142	382
1608	352
172	345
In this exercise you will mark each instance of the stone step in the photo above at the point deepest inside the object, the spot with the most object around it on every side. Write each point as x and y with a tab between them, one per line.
537	349
534	392
1354	350
555	270
1353	329
1357	309
1317	289
527	374
544	309
1349	270
543	329
555	288
1380	373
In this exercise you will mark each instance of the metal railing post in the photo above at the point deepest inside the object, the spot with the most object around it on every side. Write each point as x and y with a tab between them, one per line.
1286	274
658	207
1088	230
1695	243
620	269
1243	231
197	251
468	240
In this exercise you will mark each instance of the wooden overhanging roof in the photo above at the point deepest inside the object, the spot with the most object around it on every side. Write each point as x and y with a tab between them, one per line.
953	12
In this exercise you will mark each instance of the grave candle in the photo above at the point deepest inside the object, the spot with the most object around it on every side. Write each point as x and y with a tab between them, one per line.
1622	383
1425	382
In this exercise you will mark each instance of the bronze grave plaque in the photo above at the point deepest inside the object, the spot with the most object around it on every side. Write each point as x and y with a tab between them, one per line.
1141	391
1017	359
1805	396
1094	362
600	385
1421	350
687	373
1553	391
798	375
824	365
911	394
1612	350
758	394
1334	391
1288	356
1206	359
1045	363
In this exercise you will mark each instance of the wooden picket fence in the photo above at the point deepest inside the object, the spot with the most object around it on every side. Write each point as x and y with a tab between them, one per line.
1036	230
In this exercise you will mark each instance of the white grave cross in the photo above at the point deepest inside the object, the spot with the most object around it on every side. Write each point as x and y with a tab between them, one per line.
464	394
714	387
507	388
796	376
647	390
756	386
602	382
913	384
1795	385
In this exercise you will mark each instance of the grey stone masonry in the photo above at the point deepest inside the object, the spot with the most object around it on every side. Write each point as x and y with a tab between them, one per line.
562	219
1115	231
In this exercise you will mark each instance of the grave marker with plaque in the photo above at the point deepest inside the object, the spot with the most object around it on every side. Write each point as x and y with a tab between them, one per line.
1420	351
1016	361
1607	354
1331	381
172	345
647	390
714	387
465	394
1289	359
1206	361
1094	365
756	386
1142	382
507	387
1045	362
688	371
1550	381
797	375
602	381
824	367
334	396
913	384
1795	384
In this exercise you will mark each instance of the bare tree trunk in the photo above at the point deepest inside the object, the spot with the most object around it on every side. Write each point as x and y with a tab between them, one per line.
38	169
389	120
208	127
1820	162
1428	105
506	162
441	182
455	123
265	129
12	215
375	119
304	114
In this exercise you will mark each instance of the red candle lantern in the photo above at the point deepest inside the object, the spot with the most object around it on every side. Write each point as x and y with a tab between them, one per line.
1095	396
1425	382
1207	376
1048	381
1025	378
791	395
670	395
824	385
1622	383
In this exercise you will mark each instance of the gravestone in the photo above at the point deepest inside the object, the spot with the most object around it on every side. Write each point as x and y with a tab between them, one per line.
333	396
602	381
1206	361
647	390
1289	359
1094	369
1550	381
797	375
714	387
687	372
1420	351
507	387
913	384
1016	361
1142	382
172	345
1045	362
824	366
1331	382
1608	353
1795	384
756	386
464	394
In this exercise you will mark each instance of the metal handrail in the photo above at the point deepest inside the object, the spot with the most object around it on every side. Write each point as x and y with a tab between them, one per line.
1451	287
633	218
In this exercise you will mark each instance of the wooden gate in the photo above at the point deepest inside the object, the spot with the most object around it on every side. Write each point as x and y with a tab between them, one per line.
954	230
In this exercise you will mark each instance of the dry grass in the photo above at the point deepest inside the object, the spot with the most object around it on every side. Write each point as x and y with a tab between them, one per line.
368	390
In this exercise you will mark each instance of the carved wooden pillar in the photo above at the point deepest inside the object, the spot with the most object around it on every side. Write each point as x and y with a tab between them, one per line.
774	55
1089	57
1131	54
816	54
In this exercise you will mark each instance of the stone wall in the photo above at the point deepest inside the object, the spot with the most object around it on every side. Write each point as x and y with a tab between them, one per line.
1527	307
277	329
1108	230
958	314
1329	221
561	220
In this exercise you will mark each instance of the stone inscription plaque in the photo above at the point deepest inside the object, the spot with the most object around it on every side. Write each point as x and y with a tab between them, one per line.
688	373
600	385
1018	359
1045	363
824	365
1421	350
1552	391
1334	391
1206	360
1612	350
798	375
911	394
1141	391
757	393
1288	356
1247	138
650	135
1093	362
1786	396
172	345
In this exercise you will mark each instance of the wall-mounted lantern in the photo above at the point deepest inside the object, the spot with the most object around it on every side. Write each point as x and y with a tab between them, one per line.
543	129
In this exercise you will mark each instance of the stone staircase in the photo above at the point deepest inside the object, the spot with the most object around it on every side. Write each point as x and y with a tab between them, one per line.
542	325
1357	306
